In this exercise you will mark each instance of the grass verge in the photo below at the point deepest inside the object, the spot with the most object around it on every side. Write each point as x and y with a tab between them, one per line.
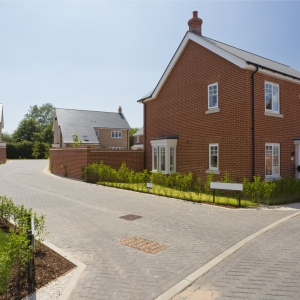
184	195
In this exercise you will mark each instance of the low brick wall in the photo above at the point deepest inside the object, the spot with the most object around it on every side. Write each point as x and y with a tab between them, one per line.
2	155
76	158
134	159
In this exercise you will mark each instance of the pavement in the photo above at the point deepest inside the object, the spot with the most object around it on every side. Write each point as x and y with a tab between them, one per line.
84	220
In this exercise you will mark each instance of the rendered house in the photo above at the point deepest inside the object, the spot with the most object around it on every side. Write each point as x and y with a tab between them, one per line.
217	108
96	129
138	143
2	144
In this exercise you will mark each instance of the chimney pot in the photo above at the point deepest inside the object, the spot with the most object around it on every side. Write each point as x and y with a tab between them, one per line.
195	23
120	110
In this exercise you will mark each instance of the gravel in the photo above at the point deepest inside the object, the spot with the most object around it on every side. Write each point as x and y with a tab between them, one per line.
53	290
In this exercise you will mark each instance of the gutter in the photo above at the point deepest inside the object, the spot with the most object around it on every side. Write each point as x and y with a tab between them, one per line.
272	70
253	122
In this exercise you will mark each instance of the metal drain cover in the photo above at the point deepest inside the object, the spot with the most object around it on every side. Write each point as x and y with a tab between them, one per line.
130	217
143	245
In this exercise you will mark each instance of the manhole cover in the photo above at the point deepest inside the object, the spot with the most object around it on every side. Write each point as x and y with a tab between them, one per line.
143	245
130	217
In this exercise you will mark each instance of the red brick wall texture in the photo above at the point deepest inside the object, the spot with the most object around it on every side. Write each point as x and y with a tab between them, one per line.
76	158
2	155
182	102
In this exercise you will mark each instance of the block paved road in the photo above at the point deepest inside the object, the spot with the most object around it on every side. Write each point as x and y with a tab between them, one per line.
266	268
84	220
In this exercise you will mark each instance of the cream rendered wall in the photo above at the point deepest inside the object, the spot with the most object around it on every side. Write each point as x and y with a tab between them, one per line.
107	141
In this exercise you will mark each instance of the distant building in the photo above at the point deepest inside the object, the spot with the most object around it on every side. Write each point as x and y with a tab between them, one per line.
96	129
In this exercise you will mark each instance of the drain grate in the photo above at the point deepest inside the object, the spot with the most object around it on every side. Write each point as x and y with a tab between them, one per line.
143	245
130	217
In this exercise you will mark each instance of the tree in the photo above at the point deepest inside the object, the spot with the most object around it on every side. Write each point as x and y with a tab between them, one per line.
36	149
43	115
37	125
28	130
6	137
132	131
77	141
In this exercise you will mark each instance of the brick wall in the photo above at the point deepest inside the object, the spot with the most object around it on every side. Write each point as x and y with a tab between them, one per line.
2	155
76	158
277	130
182	102
134	159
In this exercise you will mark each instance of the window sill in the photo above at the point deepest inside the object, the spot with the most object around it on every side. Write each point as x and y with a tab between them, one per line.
212	111
269	114
272	178
212	171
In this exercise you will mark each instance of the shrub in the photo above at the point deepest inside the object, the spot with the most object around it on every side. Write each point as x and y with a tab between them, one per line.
24	149
17	250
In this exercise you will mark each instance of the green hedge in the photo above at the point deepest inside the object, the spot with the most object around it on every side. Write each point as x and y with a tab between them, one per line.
15	150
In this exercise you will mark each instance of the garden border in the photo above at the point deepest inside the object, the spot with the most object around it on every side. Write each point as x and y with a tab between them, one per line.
68	289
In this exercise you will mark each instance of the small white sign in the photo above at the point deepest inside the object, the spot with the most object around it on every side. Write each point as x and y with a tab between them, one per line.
149	185
226	186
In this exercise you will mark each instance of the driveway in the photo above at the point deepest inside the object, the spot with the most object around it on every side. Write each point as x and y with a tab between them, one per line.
84	220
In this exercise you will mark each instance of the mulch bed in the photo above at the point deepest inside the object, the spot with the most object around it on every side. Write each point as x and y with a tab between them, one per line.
47	266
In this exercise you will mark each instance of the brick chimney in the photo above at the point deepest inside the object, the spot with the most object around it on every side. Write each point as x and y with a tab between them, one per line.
195	23
120	109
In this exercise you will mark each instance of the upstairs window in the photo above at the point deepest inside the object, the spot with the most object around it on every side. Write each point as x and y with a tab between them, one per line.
97	133
213	96
116	134
137	139
272	97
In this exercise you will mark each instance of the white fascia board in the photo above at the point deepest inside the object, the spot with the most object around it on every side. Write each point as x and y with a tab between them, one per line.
200	41
164	142
219	51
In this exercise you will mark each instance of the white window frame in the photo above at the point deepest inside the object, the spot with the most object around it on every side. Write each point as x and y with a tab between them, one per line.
273	85
216	106
210	167
116	134
155	150
273	175
97	132
167	144
137	139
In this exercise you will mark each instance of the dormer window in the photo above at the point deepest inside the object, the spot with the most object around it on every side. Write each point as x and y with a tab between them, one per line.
85	138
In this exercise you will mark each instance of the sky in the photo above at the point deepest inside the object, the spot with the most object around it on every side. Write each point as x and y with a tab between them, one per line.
99	55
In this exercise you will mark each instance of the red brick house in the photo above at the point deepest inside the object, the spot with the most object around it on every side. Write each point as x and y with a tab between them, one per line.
217	108
138	140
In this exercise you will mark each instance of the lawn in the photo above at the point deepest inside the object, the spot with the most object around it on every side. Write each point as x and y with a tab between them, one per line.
185	195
